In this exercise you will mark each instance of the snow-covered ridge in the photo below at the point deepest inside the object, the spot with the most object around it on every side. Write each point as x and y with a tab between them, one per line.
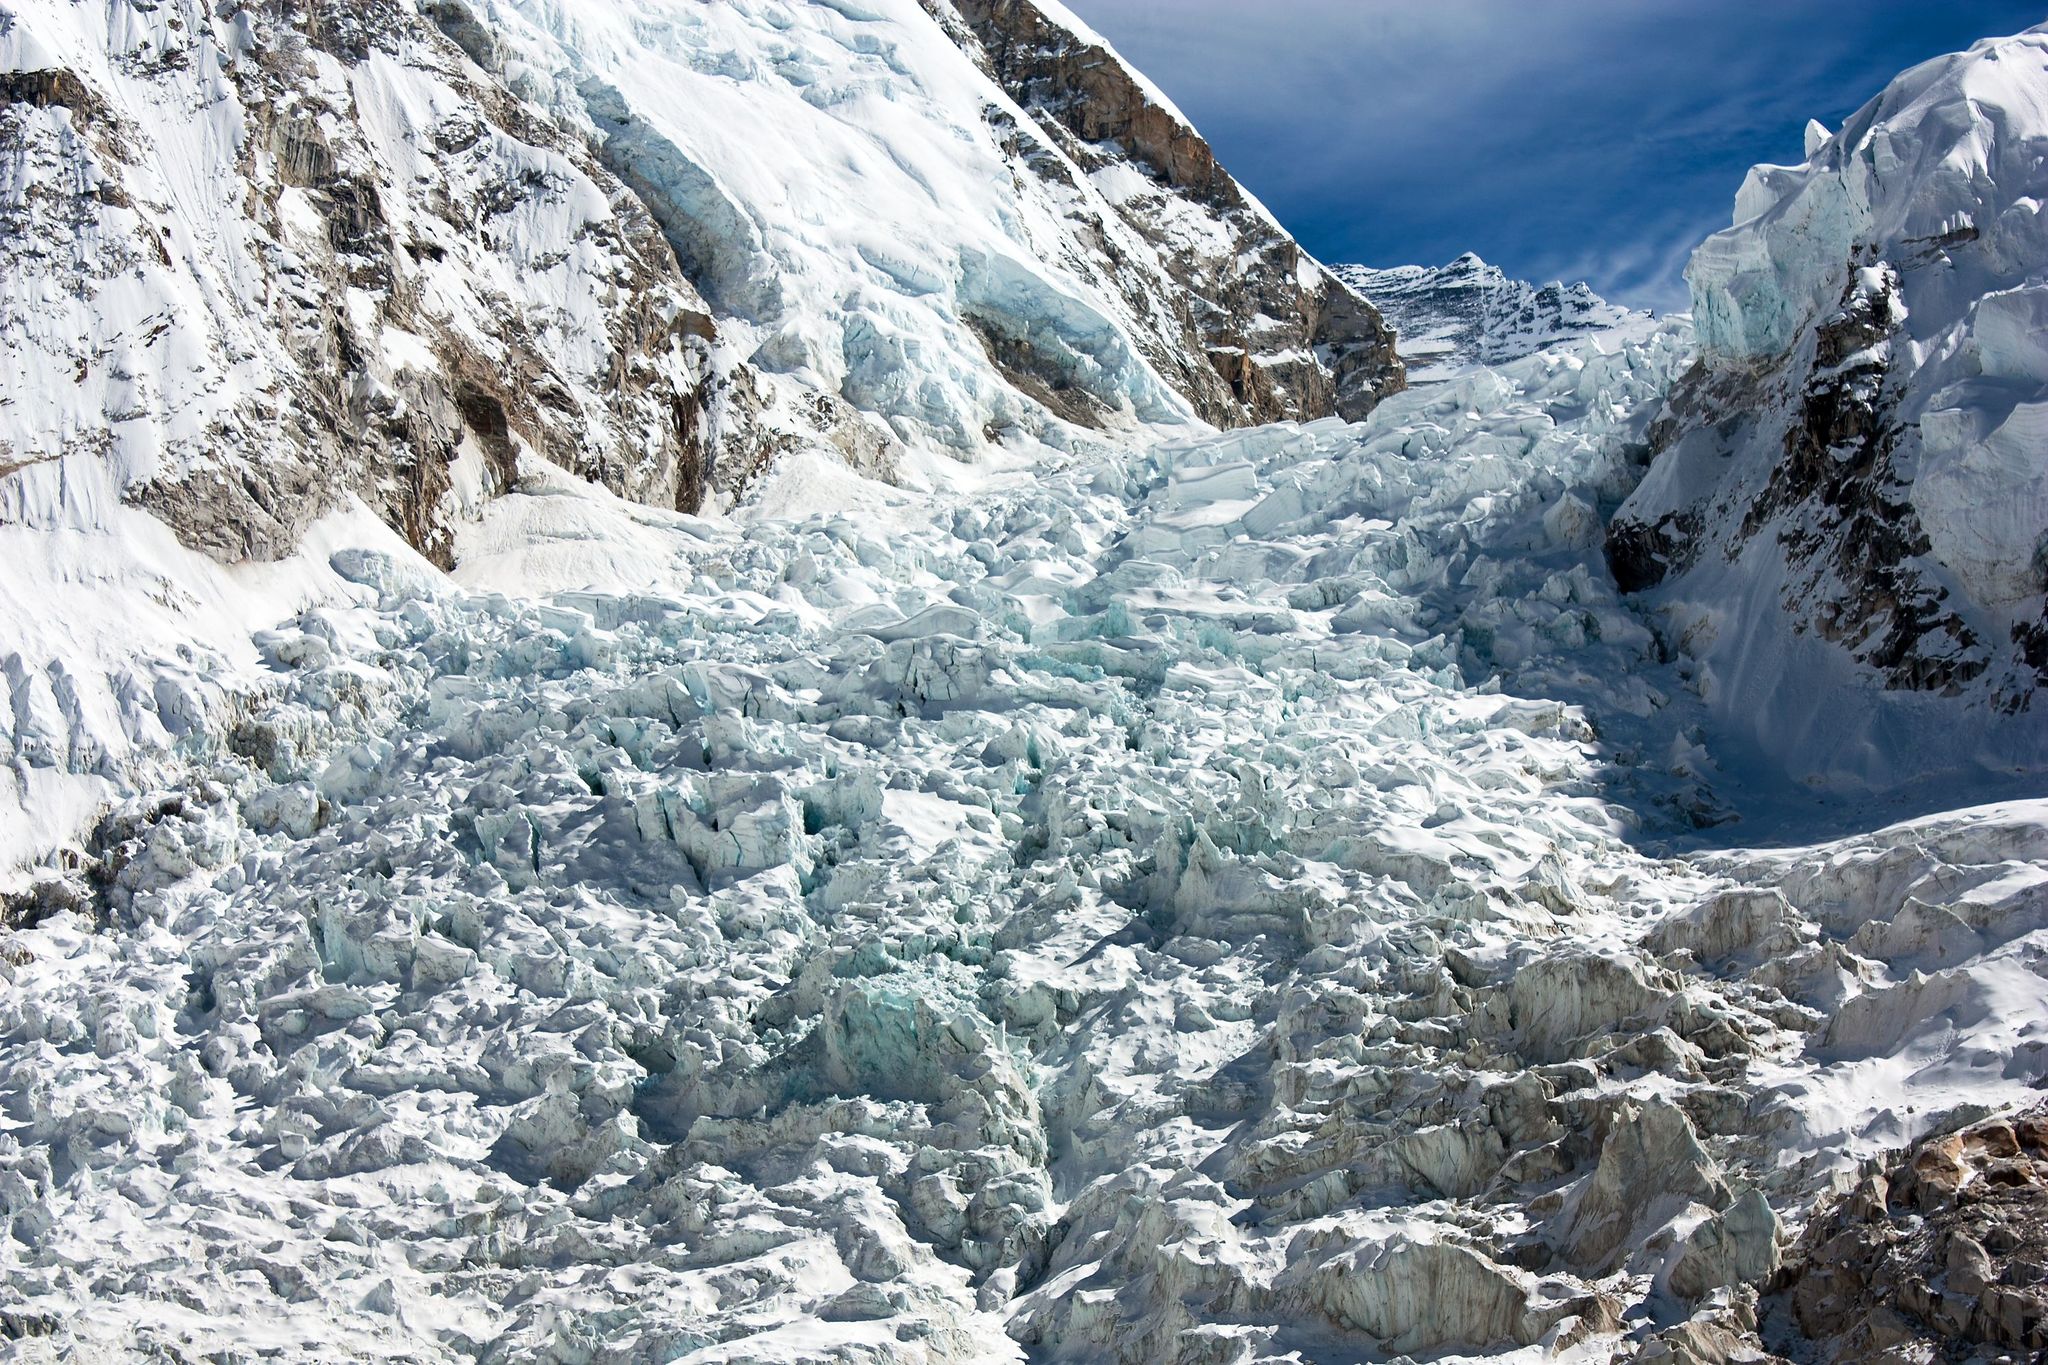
1286	337
1851	501
1470	313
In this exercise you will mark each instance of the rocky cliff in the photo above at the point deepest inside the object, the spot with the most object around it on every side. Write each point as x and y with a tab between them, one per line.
1284	338
1938	1253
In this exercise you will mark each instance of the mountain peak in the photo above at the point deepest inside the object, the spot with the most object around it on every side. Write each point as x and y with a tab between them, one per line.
1468	312
1849	495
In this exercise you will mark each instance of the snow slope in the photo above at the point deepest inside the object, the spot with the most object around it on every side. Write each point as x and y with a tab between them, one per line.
945	252
1846	522
257	262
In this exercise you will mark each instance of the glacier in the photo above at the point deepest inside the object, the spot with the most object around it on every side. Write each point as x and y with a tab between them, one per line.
1156	907
1021	856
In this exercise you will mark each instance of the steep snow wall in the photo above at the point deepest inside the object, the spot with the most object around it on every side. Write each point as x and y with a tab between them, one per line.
1847	520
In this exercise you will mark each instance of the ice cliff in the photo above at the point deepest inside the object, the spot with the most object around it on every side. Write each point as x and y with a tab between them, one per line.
1846	521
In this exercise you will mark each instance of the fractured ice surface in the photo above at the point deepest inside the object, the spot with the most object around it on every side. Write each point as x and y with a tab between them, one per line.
1180	907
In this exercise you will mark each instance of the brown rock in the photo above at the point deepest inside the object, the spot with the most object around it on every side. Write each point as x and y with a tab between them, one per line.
1955	1261
1284	339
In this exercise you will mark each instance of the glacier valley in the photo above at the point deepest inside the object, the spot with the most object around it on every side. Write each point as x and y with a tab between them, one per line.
1190	905
1165	835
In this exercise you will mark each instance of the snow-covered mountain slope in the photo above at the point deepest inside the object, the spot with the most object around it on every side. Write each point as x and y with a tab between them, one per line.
254	262
1447	318
261	266
264	256
1288	338
990	219
1846	523
265	264
1164	908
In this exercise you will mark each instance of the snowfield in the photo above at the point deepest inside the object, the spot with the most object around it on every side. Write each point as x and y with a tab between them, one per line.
1196	905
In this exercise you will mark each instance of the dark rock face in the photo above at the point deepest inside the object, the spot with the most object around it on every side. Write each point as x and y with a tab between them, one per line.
650	391
1641	555
1941	1255
1283	337
1836	502
1839	457
44	89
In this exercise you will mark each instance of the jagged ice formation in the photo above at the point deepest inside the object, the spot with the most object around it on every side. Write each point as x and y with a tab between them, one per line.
1127	892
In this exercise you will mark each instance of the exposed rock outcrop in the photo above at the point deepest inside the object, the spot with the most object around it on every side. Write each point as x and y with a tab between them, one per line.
1284	338
1941	1253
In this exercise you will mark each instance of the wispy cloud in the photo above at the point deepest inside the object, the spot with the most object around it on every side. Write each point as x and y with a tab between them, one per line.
1597	139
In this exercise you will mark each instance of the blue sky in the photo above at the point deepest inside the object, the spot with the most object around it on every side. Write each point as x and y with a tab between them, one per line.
1560	139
